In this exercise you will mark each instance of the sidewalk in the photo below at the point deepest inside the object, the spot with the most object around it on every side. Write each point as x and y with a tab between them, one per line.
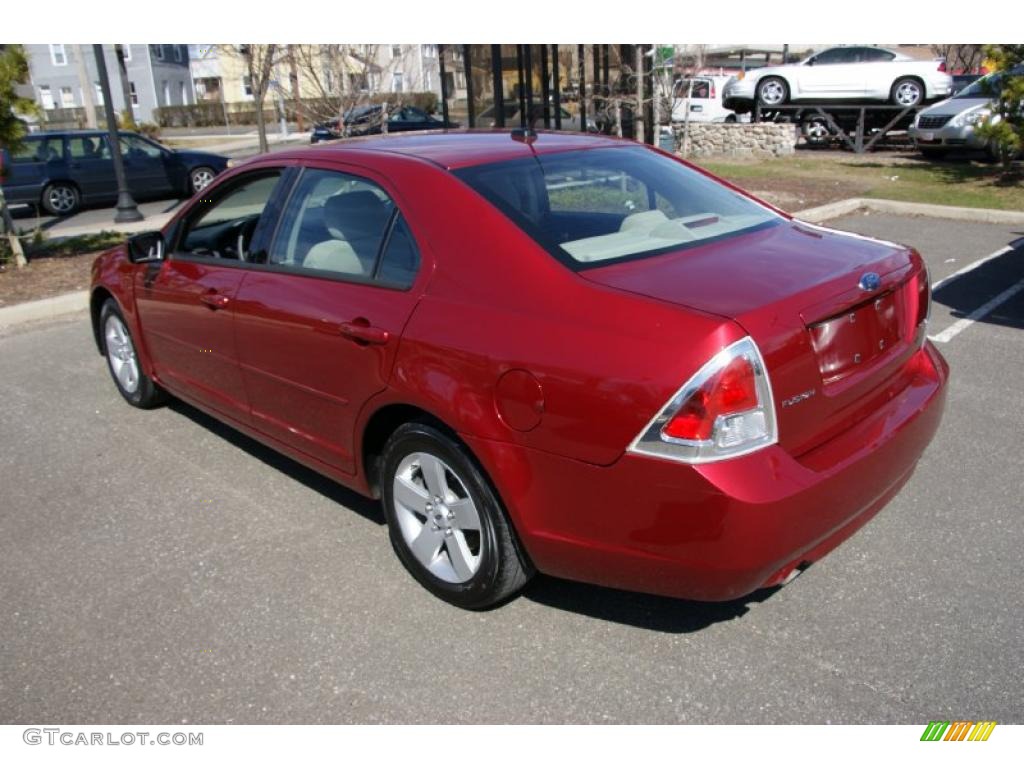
156	212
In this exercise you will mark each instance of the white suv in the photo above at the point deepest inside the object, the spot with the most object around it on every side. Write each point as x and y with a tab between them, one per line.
700	97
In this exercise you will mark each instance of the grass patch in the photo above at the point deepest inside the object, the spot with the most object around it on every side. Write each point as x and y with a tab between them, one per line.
966	183
37	248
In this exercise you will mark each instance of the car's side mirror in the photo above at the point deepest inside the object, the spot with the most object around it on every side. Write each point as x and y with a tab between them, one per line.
146	247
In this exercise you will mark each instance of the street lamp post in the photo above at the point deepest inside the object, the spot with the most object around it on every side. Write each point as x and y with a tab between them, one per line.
127	210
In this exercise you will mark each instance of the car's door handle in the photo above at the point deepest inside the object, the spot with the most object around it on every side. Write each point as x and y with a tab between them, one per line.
360	331
214	300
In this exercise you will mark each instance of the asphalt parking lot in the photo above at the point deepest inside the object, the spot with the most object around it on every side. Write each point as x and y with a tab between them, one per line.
158	567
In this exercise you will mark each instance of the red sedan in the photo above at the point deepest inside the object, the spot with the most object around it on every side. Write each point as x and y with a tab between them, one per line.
557	353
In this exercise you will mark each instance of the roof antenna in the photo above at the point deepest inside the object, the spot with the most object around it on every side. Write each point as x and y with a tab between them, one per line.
528	135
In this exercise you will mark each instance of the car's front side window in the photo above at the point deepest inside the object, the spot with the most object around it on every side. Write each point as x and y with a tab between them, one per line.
334	224
223	226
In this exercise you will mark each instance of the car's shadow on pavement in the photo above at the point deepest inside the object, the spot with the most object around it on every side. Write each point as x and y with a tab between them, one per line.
971	291
659	614
367	508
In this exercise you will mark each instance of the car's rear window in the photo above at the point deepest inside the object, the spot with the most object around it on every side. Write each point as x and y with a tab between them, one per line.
592	207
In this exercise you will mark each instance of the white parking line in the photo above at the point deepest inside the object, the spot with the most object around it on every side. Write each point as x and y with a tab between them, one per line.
963	323
973	265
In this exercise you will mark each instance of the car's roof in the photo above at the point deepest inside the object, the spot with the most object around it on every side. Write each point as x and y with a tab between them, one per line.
462	148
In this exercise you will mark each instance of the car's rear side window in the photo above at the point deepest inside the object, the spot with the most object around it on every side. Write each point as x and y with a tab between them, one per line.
593	207
42	149
340	225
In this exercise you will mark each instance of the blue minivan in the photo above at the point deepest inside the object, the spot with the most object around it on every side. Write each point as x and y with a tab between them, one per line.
63	170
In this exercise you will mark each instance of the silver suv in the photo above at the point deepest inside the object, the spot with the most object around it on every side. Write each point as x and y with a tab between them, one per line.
950	124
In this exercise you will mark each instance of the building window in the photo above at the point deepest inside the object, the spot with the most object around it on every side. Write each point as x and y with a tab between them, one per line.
158	51
67	97
396	51
127	51
177	52
45	97
429	51
99	94
134	94
247	86
58	55
397	82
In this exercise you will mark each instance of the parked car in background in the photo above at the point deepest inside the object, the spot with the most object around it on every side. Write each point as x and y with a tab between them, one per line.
63	170
368	119
844	73
326	131
700	97
562	353
951	124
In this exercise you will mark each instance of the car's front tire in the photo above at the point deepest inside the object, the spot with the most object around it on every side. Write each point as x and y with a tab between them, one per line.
200	178
61	198
445	521
772	92
119	349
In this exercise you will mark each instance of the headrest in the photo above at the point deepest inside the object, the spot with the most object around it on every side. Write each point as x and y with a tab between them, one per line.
355	215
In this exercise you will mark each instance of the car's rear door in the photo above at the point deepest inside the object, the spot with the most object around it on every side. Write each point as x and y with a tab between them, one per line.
318	324
36	161
186	302
91	166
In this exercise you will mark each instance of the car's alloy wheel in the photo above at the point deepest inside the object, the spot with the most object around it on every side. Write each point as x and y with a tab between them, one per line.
772	91
445	521
907	92
201	178
60	199
816	131
133	384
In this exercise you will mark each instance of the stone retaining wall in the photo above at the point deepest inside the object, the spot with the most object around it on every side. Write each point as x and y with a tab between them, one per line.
738	139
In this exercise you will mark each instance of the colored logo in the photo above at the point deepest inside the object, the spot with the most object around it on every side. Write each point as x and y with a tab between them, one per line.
870	281
958	730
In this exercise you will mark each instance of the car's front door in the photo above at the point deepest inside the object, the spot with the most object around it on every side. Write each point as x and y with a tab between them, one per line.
186	301
834	73
145	167
318	324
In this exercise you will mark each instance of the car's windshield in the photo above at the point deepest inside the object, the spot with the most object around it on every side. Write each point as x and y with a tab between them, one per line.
592	207
987	86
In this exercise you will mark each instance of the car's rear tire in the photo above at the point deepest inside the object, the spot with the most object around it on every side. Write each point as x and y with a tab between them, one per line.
119	349
61	198
200	178
907	92
445	521
772	92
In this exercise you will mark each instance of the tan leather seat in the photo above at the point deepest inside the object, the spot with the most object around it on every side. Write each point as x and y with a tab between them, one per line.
355	221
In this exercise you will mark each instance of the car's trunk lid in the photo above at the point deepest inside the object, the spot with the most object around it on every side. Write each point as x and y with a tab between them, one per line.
832	339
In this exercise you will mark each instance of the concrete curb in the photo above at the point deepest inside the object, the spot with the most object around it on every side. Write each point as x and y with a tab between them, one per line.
44	309
900	208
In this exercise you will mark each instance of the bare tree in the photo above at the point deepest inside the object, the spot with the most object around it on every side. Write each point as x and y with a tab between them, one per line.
965	57
259	60
341	78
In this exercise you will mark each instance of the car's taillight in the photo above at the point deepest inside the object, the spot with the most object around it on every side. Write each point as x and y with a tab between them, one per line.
724	410
712	89
942	66
924	298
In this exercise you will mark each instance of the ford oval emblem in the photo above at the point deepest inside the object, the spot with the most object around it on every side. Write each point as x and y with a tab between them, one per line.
870	281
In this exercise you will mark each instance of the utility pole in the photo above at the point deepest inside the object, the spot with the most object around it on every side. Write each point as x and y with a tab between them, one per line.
126	91
88	102
638	114
127	210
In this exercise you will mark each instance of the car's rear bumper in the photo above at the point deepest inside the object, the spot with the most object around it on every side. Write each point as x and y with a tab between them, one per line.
722	530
